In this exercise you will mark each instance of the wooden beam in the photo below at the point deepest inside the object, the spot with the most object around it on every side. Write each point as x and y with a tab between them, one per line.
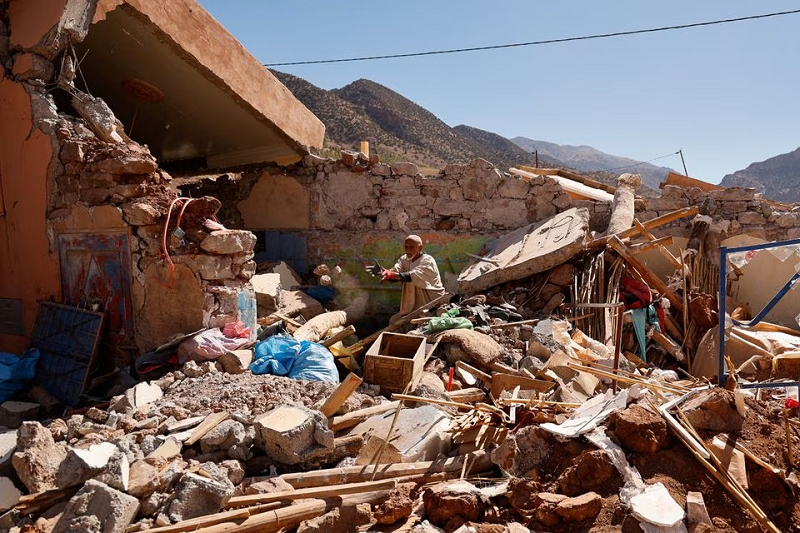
193	524
649	245
483	376
211	421
479	462
355	417
677	265
310	492
333	339
668	344
648	276
340	395
650	224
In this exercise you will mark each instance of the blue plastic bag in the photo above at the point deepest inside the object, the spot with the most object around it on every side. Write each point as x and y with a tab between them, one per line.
16	371
282	355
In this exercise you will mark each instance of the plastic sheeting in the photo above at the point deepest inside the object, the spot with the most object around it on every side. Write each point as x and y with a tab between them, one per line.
282	355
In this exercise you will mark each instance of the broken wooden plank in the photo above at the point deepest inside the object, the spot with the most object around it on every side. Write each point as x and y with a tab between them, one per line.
501	382
333	339
472	394
479	462
340	395
483	376
667	344
193	524
355	417
211	421
677	265
311	492
649	224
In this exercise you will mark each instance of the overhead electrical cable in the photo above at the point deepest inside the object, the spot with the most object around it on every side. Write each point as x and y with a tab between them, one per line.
639	163
536	43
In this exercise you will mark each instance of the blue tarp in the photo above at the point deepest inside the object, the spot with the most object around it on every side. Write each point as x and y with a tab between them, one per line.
282	355
16	372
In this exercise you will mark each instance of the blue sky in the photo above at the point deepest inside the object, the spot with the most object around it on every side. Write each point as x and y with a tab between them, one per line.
727	95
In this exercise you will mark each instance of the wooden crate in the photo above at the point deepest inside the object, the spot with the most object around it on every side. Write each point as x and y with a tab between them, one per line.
393	360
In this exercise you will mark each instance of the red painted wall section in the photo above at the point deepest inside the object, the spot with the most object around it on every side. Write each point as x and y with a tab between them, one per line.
28	269
30	20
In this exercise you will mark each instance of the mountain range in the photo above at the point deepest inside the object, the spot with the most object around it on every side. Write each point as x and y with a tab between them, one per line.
777	178
400	130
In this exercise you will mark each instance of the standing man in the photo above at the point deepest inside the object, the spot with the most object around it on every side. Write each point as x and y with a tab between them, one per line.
418	273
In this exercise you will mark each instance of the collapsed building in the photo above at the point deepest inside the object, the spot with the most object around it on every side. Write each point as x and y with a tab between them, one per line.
107	256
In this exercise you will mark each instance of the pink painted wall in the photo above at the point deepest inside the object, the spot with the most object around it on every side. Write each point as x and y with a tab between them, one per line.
30	20
28	268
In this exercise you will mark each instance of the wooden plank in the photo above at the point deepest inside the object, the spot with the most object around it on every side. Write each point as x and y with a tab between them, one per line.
340	395
311	492
208	520
501	382
569	175
684	182
333	339
647	275
649	245
479	462
649	224
668	344
472	394
355	417
483	376
211	421
677	265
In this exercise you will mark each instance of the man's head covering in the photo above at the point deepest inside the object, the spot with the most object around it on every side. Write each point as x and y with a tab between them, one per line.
416	238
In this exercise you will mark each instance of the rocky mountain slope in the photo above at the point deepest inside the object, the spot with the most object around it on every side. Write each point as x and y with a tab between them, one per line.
777	178
585	158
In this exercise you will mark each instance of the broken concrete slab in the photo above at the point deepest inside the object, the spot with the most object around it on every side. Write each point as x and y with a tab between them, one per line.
286	432
38	457
137	396
715	410
225	435
228	241
9	494
107	509
12	413
186	423
419	434
529	250
196	495
288	276
299	303
236	361
84	463
268	290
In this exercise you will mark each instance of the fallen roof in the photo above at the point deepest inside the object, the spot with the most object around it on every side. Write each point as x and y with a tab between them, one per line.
185	87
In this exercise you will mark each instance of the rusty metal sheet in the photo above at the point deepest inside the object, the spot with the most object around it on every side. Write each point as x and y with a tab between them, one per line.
96	274
528	250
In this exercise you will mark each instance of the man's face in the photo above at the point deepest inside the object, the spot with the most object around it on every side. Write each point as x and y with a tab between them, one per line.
413	249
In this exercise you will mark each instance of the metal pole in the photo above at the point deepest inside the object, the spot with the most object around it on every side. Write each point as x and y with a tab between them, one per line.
685	172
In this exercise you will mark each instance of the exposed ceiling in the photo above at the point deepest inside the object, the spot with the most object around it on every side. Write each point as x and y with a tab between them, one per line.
171	103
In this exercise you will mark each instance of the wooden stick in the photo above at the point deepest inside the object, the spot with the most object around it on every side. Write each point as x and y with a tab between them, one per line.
340	395
626	379
483	376
650	224
355	417
217	518
647	275
211	421
311	492
436	401
788	430
753	457
533	402
354	474
288	320
333	339
666	253
470	395
668	344
645	246
512	324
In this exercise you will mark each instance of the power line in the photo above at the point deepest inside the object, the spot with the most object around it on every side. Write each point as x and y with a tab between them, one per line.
640	163
535	43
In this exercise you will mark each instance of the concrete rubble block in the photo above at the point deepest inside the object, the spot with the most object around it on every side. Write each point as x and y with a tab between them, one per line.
470	346
9	494
8	444
523	450
197	495
209	267
116	472
714	410
186	423
419	434
299	303
345	519
140	214
268	290
269	486
137	396
287	432
579	508
38	457
234	469
638	429
228	241
236	361
129	163
399	505
113	510
521	494
12	413
458	500
546	503
84	463
592	470
226	434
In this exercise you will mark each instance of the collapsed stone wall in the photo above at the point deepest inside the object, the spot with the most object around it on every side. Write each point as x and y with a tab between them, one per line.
99	181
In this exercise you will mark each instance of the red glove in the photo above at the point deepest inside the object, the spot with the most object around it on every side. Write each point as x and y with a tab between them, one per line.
390	275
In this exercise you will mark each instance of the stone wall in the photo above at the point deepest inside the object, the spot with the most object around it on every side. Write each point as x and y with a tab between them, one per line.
86	179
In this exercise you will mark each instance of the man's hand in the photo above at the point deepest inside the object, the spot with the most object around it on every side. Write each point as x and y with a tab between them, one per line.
389	275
